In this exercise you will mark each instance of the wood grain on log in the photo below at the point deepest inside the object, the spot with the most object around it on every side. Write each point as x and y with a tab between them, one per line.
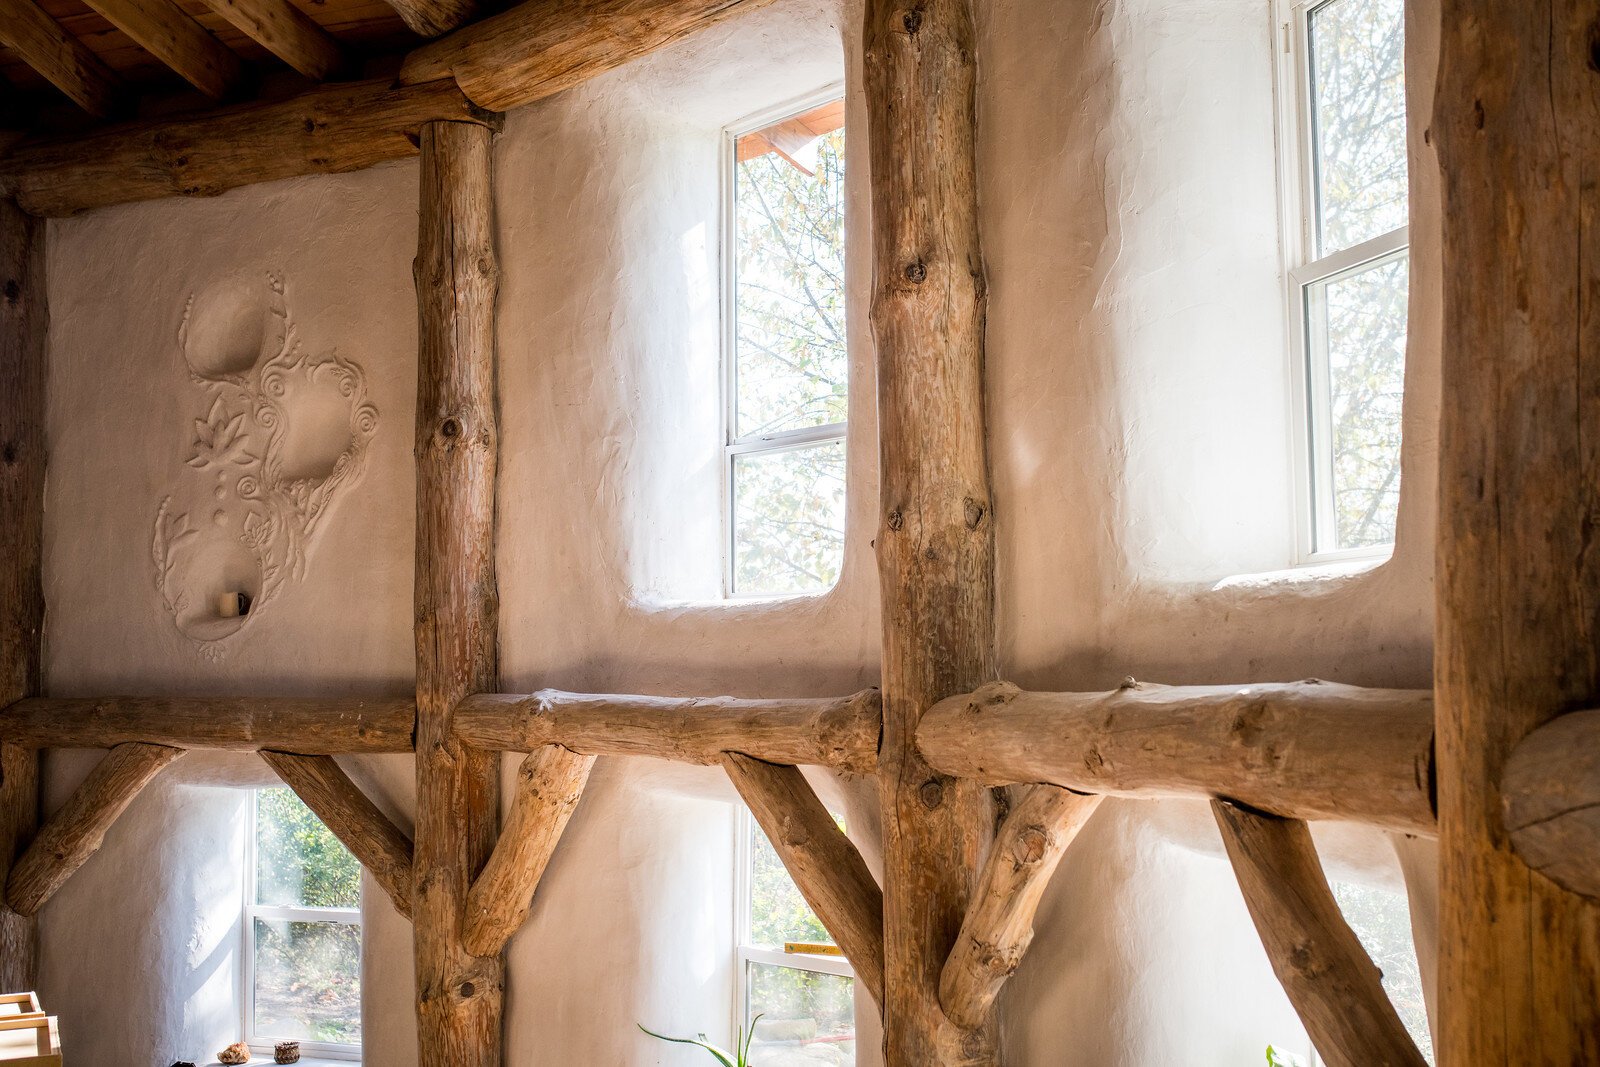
306	725
549	784
459	994
837	732
169	33
380	845
823	862
59	57
1551	791
287	32
999	924
935	539
73	834
1517	128
1309	750
430	18
24	324
1330	979
539	48
331	129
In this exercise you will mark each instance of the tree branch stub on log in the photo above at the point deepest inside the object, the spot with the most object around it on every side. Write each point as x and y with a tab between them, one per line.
549	785
837	732
1312	750
73	834
999	923
352	817
1330	979
823	862
1551	791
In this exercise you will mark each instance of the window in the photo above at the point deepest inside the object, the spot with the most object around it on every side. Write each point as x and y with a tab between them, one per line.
1344	111
302	931
1381	919
786	371
789	971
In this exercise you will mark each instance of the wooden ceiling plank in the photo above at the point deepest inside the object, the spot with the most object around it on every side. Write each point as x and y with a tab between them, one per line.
286	32
430	18
172	36
39	41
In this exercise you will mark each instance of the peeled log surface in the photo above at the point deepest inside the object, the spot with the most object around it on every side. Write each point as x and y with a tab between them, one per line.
63	60
1304	750
328	130
1552	799
549	785
823	862
839	732
541	47
167	32
354	819
309	726
73	834
1328	976
999	923
287	32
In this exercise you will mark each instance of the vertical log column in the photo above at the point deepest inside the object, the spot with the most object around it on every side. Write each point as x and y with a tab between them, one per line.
23	325
459	995
936	537
1517	121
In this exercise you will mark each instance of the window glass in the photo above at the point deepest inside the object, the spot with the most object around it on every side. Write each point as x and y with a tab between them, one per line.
299	862
308	981
1382	920
1358	111
806	1017
788	516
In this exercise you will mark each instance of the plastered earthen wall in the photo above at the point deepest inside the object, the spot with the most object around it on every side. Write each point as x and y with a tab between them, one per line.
1138	400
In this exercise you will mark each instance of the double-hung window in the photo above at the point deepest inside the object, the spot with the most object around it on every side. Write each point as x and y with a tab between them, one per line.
790	974
302	932
786	368
1343	110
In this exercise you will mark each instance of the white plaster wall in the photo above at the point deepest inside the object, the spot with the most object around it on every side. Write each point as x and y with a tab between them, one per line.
1137	396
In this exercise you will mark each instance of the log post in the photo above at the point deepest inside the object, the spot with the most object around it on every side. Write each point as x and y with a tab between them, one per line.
936	534
999	924
459	995
1517	125
23	328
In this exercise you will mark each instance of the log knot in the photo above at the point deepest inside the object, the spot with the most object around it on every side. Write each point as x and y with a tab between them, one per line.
912	21
931	794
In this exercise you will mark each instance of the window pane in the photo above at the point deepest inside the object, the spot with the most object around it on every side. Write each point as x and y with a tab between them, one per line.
778	912
788	519
299	863
1359	120
1382	920
1356	324
308	981
790	367
807	1018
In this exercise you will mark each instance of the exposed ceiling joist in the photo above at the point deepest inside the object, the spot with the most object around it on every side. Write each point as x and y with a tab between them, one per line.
286	32
59	57
167	32
430	18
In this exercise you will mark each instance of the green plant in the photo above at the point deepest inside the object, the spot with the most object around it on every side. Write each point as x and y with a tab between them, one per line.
741	1043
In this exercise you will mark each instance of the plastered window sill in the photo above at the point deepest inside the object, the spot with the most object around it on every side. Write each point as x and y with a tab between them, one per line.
305	1061
1310	574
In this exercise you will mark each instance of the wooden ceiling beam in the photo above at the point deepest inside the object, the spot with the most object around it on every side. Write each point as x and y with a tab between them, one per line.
60	58
287	32
331	129
430	18
167	32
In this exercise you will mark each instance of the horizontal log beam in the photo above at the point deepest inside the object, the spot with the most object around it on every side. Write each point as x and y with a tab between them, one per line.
825	865
999	923
379	845
328	130
1551	792
1328	976
541	47
839	732
430	18
549	785
243	724
1307	750
73	834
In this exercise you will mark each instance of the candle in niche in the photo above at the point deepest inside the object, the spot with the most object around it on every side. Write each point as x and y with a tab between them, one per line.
233	605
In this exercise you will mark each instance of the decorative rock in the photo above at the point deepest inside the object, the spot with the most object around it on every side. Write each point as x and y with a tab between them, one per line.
286	1052
236	1053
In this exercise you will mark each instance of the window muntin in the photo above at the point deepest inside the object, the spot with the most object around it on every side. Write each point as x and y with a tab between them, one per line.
787	366
302	931
1347	277
789	972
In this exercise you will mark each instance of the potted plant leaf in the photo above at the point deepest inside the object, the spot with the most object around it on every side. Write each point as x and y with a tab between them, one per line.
740	1057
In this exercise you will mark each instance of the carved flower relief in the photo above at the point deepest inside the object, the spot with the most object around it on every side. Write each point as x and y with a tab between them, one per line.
219	441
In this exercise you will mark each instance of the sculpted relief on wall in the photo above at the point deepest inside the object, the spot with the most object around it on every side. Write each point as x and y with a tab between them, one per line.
279	433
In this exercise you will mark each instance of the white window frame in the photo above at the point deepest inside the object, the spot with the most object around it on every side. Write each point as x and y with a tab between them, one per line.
252	911
746	953
734	445
1303	269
